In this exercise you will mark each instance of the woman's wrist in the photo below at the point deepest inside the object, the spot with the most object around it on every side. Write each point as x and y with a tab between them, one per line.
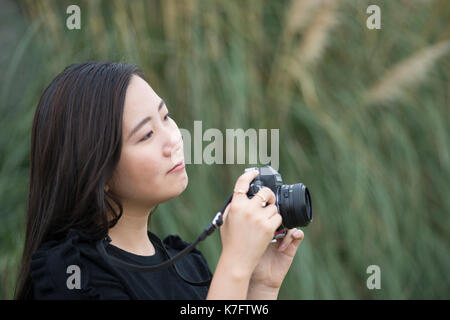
260	291
230	280
238	264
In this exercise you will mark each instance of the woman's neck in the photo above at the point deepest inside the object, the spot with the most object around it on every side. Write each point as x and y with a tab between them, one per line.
131	234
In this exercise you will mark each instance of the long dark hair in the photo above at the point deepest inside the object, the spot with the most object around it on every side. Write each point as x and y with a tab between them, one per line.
76	142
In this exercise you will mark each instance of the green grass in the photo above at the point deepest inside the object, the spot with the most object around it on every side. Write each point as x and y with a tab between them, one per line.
378	167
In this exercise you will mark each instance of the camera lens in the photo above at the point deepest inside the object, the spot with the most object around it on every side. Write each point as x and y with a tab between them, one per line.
308	204
294	205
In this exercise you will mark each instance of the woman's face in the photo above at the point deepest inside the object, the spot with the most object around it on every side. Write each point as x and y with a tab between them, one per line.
151	145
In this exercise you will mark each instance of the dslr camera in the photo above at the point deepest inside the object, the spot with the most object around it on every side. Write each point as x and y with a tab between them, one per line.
293	201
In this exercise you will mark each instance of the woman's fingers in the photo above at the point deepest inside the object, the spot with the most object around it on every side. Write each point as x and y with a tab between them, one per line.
294	236
243	183
240	190
265	195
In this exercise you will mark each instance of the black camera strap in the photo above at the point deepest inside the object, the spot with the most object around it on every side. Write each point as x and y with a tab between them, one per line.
215	224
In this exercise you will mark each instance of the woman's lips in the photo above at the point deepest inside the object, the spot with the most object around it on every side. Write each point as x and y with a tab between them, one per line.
177	167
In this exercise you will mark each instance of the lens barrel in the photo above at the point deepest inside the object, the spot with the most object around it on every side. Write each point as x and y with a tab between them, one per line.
294	205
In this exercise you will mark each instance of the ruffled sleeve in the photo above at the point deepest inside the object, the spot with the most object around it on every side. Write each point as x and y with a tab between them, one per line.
72	269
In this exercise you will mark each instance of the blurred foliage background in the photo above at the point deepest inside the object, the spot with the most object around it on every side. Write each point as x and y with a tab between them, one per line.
363	118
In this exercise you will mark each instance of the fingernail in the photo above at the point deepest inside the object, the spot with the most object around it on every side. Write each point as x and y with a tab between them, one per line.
282	247
297	234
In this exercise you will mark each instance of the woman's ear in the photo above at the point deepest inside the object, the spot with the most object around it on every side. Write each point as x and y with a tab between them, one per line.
106	188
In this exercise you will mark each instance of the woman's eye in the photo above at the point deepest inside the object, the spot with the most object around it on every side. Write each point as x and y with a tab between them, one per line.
147	136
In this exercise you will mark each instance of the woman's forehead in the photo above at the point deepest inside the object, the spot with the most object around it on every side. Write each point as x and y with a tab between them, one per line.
140	101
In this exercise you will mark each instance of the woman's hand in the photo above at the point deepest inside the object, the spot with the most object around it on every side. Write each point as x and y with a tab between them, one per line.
249	266
274	264
248	227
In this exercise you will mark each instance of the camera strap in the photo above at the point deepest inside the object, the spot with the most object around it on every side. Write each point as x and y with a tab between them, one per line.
215	224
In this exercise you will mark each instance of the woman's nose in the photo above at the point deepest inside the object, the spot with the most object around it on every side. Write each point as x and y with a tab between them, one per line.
174	145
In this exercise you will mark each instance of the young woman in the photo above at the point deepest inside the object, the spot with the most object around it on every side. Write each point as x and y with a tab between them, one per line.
104	154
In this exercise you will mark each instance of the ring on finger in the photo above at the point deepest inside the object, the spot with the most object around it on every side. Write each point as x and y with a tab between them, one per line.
264	203
262	198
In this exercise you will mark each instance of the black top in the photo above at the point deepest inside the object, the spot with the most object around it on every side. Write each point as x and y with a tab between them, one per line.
56	267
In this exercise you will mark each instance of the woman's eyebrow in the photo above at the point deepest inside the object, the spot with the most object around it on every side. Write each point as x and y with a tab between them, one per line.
145	120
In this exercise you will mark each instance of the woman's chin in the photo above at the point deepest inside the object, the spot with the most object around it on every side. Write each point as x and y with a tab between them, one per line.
184	181
177	187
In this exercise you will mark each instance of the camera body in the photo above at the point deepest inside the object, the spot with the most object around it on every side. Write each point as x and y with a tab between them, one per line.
293	201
